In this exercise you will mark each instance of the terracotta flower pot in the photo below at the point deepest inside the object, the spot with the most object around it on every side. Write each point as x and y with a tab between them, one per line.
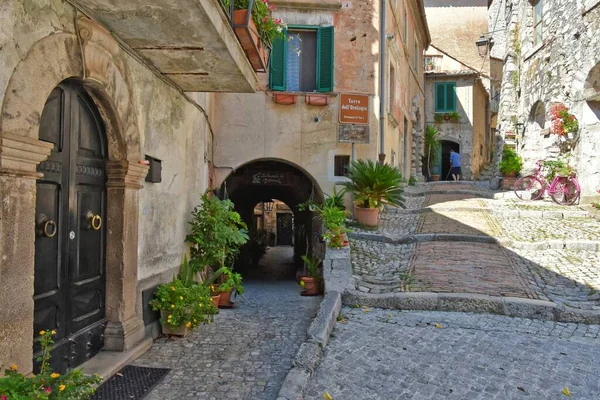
435	178
172	331
225	299
511	175
250	41
311	285
215	299
366	216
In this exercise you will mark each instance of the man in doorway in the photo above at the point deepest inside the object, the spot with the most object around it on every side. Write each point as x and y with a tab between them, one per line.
455	165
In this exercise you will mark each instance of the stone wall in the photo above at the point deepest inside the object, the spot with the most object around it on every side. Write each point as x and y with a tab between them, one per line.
559	69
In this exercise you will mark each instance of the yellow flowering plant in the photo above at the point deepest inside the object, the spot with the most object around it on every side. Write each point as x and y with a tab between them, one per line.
188	304
47	385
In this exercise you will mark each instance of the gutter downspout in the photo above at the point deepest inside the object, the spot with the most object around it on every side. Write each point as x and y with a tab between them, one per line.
382	45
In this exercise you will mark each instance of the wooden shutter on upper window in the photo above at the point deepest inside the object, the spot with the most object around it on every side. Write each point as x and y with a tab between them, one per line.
450	96
325	59
278	64
440	97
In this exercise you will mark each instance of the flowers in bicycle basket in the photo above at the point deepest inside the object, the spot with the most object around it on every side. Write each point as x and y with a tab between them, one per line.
563	122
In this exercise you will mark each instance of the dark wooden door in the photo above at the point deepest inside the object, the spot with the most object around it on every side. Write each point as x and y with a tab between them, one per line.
70	282
285	229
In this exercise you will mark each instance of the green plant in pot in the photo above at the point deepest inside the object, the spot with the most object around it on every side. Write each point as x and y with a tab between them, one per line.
334	220
511	162
256	247
432	147
227	282
312	282
183	306
216	238
374	185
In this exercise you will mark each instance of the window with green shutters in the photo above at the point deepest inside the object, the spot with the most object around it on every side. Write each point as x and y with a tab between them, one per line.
445	97
303	61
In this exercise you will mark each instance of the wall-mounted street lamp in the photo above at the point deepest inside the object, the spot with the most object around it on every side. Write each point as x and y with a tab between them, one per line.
484	44
268	206
520	128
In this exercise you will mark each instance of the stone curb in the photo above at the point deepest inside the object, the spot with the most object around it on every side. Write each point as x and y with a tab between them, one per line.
589	245
541	214
473	303
309	355
472	192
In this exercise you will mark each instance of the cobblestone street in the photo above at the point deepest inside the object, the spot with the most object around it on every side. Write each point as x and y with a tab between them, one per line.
384	355
244	354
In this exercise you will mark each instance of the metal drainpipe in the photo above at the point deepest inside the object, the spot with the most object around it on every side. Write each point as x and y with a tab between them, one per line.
382	44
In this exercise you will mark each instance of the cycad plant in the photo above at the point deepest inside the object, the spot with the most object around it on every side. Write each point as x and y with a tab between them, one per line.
432	146
374	184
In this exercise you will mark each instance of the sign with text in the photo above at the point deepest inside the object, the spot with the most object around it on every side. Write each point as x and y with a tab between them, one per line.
268	178
354	134
354	109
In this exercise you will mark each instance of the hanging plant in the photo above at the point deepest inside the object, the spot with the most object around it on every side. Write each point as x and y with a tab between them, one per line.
269	28
563	122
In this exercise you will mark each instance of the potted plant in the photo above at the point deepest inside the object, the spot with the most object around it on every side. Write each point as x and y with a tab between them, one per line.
432	147
49	385
563	122
510	166
216	238
256	247
255	28
334	219
373	185
228	282
182	306
336	199
311	283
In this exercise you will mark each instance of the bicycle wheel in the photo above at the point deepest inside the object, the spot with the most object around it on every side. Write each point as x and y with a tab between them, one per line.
529	188
566	191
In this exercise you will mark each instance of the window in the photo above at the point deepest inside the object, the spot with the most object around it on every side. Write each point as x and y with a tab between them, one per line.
417	56
538	22
392	101
405	36
445	96
341	165
433	63
303	62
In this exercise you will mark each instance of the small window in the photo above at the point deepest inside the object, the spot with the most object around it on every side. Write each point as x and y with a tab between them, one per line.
433	63
342	163
445	96
303	61
392	101
405	36
417	56
538	22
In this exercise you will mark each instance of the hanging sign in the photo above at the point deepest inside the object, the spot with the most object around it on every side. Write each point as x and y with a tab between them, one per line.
268	178
354	109
354	134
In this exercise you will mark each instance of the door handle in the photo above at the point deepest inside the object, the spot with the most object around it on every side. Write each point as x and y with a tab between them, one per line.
95	220
46	227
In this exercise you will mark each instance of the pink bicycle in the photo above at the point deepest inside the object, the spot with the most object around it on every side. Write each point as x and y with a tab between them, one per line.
564	190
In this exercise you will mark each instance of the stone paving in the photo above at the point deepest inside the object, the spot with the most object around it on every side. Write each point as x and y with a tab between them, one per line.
244	354
383	354
567	276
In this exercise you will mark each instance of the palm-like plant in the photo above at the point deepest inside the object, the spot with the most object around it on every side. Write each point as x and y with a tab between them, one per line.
374	184
432	146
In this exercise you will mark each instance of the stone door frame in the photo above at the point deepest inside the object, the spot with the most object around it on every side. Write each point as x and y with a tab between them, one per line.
93	57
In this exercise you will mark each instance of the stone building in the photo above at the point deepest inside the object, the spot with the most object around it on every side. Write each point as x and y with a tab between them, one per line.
551	53
89	91
457	101
110	132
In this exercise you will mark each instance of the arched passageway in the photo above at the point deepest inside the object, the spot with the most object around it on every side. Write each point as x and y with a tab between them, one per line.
281	186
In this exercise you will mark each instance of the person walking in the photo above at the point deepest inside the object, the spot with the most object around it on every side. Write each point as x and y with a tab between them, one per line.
455	165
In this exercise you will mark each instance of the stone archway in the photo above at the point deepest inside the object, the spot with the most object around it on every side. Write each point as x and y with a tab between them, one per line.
94	58
265	179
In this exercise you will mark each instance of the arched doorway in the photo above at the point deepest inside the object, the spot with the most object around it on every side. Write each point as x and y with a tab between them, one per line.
70	241
276	184
447	145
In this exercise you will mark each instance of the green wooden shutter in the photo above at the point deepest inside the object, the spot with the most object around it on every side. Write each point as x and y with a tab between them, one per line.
451	96
440	97
325	59
278	64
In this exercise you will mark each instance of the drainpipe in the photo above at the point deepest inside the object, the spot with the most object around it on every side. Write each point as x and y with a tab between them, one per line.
382	44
